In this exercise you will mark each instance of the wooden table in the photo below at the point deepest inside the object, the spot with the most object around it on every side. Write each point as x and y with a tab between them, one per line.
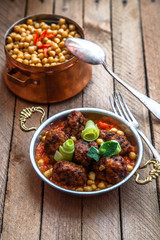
29	209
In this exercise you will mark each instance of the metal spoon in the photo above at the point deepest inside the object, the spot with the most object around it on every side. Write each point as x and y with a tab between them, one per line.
92	53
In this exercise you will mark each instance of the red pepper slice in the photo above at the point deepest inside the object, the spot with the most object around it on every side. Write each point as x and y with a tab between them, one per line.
42	35
50	35
36	37
45	45
102	125
45	51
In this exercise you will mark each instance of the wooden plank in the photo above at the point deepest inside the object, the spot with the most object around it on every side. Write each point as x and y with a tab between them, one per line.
151	36
61	217
7	99
101	218
139	206
24	188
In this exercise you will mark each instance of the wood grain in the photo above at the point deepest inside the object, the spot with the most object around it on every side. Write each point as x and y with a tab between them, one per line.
139	206
7	99
101	217
24	188
62	213
151	36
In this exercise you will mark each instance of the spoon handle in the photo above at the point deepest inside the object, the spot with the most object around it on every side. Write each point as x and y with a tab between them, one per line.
152	105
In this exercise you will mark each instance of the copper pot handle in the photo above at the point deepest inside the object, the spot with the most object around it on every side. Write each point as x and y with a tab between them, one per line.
22	83
154	173
27	113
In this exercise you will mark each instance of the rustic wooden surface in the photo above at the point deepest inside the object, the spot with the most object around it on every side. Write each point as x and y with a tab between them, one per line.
29	209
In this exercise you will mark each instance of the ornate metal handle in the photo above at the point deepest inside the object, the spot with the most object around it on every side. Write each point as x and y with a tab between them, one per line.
27	113
154	173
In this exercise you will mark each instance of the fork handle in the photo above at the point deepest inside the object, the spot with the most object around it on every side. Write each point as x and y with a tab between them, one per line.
152	105
153	150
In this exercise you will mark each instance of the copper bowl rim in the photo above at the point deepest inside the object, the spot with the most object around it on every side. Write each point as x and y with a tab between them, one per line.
102	112
59	67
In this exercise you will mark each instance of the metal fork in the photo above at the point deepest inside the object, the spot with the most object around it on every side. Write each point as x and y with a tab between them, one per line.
120	107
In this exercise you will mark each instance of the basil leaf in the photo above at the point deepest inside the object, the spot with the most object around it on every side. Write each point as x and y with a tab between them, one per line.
93	153
110	148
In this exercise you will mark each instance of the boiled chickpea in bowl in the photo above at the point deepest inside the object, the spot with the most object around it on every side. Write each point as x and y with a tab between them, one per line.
40	44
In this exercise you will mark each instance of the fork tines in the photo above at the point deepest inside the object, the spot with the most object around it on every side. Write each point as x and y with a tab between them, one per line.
120	107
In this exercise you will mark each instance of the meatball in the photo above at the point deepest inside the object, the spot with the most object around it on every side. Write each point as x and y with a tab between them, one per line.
124	143
110	169
81	149
75	124
69	173
54	139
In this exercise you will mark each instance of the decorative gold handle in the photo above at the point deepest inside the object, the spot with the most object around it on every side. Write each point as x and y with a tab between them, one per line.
155	172
27	113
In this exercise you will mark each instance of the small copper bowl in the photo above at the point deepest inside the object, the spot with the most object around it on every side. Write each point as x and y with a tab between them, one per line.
46	84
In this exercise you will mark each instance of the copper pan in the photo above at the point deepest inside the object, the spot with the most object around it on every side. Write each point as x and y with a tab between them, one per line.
46	84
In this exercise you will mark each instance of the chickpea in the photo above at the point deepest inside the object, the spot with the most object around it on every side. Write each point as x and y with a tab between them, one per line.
49	31
19	60
53	26
87	189
14	56
77	35
132	155
60	54
9	47
79	189
16	51
50	60
59	36
129	168
24	26
16	46
23	39
72	27
120	132
70	36
101	185
25	44
67	56
20	55
74	138
45	39
72	33
54	45
58	27
36	25
113	130
61	44
16	28
64	52
52	53
29	38
62	21
65	34
38	44
62	59
60	30
39	65
58	50
90	182
40	50
25	61
41	55
64	26
56	40
12	35
48	173
44	60
99	141
94	187
53	64
55	31
21	45
31	49
49	41
35	60
21	30
23	34
9	39
92	176
27	56
31	29
29	22
47	65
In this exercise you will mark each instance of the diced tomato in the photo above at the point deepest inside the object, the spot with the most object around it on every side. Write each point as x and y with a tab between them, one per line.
46	159
40	149
132	148
102	125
